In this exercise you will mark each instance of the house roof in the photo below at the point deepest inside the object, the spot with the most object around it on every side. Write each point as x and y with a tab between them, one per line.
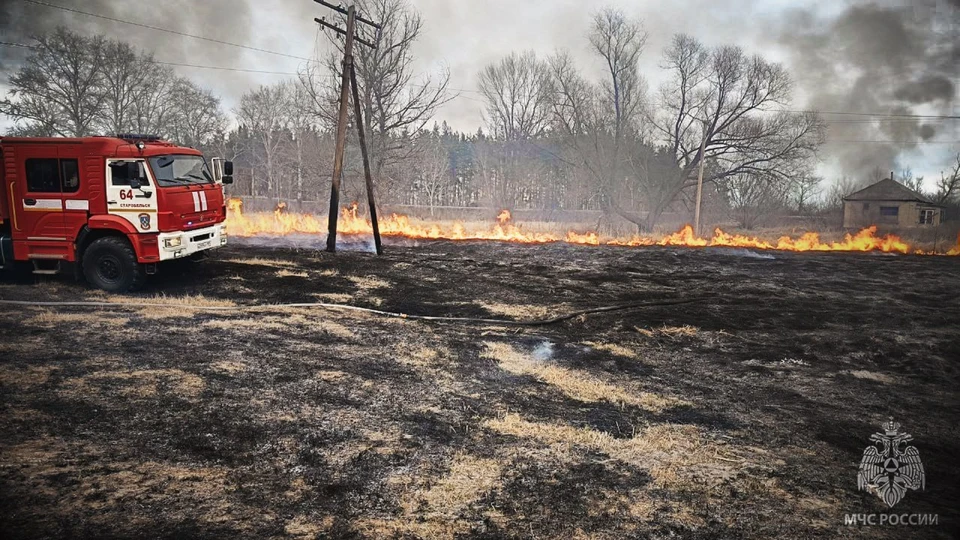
888	190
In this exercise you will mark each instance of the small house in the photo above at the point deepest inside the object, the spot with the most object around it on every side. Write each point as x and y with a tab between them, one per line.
889	203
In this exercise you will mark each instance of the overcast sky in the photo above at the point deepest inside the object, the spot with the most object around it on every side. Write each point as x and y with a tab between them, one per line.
835	50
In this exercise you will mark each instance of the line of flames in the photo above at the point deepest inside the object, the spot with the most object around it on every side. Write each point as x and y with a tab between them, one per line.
280	222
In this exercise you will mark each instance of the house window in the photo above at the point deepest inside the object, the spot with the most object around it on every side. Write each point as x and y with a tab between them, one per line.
927	216
866	206
890	211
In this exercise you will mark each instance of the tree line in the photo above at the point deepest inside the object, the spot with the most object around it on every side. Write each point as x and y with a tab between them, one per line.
73	86
553	137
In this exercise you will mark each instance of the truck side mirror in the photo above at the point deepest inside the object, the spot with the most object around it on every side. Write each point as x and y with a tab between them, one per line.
227	172
135	182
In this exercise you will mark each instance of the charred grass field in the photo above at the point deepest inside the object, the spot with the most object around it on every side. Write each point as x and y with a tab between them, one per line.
740	414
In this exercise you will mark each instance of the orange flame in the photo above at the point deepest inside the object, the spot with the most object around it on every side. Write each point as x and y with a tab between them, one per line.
955	250
281	223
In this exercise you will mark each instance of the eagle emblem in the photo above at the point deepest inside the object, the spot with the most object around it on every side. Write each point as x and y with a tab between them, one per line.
886	469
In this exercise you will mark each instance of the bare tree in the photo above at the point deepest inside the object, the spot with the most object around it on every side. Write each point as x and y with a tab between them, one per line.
58	90
300	122
153	107
752	197
620	42
727	101
198	119
393	102
127	77
841	188
432	168
518	93
597	123
265	112
804	191
948	187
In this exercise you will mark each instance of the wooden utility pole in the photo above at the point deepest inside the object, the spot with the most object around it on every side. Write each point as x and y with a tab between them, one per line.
349	78
366	161
696	212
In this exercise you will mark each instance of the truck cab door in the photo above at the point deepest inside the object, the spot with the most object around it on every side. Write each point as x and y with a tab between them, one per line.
132	193
37	204
38	201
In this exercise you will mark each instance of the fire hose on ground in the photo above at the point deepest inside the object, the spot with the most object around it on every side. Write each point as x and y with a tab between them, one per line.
345	307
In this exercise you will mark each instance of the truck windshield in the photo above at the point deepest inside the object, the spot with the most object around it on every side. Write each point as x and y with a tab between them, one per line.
178	170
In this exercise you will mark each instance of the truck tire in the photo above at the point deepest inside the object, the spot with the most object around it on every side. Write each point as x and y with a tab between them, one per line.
110	264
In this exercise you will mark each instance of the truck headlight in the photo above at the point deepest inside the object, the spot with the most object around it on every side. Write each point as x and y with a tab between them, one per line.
172	242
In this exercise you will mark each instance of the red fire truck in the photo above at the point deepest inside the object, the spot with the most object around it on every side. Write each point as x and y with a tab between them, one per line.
114	207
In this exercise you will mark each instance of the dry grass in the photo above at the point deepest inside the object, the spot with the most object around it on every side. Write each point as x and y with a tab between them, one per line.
612	348
168	307
676	456
101	485
516	311
287	321
672	332
135	384
184	302
433	508
332	375
468	479
872	376
260	261
575	384
256	325
229	366
51	319
289	273
333	298
304	527
365	283
22	378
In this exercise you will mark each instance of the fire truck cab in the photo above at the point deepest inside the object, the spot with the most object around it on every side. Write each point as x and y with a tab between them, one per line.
115	207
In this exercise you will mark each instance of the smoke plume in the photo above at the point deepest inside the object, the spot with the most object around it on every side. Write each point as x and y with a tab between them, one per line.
899	58
225	20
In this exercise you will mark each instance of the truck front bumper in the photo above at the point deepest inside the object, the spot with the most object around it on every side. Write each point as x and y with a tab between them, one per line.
177	245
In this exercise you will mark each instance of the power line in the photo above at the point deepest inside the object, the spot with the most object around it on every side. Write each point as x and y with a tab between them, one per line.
222	68
180	64
157	28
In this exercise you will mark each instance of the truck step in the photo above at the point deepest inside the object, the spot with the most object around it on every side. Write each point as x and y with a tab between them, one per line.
45	268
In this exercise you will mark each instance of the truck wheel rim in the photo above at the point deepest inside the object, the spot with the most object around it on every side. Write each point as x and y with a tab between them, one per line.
108	268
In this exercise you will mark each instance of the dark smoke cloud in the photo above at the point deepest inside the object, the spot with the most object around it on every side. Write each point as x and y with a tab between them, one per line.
226	20
926	89
891	57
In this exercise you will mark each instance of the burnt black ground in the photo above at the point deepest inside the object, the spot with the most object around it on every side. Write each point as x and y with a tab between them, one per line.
177	423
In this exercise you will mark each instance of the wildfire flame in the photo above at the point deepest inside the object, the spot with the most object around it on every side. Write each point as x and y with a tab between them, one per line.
281	223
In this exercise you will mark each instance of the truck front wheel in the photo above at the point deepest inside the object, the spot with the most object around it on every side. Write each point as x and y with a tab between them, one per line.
110	264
